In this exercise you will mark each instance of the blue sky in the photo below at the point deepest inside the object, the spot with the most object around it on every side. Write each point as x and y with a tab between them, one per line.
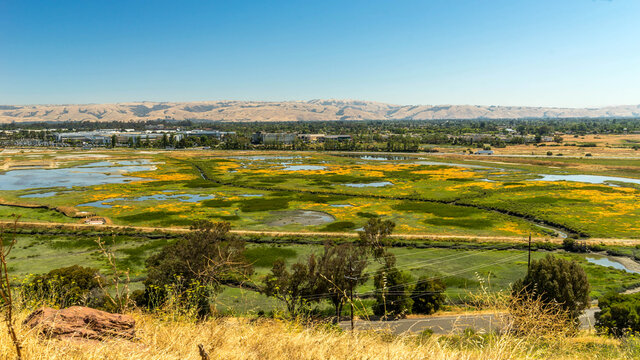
486	52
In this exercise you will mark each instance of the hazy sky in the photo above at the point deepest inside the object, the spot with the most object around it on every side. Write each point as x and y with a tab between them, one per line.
485	52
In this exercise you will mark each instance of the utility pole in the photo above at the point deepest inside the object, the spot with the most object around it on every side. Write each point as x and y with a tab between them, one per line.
351	281
529	261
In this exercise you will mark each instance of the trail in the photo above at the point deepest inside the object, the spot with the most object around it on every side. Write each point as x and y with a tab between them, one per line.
306	234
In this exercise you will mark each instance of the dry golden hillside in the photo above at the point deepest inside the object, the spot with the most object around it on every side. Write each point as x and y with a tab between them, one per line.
290	111
237	338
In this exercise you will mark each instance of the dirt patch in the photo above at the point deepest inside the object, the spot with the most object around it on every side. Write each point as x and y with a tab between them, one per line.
299	217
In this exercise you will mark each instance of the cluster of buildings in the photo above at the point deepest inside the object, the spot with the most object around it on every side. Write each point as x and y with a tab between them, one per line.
289	138
506	138
106	137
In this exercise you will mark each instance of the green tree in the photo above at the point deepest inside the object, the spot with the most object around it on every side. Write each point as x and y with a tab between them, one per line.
374	235
392	290
208	256
340	269
558	281
428	295
294	287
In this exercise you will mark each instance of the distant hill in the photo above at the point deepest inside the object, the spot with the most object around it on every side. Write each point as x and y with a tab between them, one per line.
292	111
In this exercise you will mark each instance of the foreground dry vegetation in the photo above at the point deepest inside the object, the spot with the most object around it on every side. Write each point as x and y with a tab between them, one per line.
234	338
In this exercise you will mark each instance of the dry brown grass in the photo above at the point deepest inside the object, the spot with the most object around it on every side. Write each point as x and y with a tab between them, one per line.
233	338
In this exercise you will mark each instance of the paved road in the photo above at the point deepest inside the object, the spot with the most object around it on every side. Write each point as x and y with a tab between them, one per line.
450	323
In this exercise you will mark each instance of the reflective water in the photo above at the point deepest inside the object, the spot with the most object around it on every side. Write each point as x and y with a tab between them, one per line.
40	195
192	198
304	167
385	158
264	157
609	263
437	163
373	184
85	175
590	179
300	217
341	205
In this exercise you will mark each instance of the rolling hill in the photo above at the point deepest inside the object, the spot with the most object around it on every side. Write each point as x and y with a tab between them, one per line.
313	110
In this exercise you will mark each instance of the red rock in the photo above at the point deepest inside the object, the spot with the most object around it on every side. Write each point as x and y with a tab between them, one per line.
81	322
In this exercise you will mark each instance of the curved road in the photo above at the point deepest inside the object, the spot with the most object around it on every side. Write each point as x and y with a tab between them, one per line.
447	324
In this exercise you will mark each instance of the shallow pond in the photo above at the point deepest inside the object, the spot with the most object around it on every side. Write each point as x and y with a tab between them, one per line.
263	157
84	175
590	179
191	198
610	263
438	163
40	195
385	157
373	184
304	167
341	205
299	217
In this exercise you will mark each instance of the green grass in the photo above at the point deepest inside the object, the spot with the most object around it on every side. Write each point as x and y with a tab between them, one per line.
437	209
464	223
463	266
264	204
340	226
265	256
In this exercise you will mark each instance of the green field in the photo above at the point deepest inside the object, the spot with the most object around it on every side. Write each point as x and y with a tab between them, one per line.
464	267
306	192
300	191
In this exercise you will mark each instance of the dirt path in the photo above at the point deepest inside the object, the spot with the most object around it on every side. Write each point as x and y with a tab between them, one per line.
506	239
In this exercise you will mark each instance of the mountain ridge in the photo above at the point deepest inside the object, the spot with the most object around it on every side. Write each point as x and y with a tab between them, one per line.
311	110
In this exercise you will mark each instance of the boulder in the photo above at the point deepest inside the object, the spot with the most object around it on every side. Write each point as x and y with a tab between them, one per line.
81	322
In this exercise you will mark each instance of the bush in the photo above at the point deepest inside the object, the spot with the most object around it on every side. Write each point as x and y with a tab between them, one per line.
428	296
64	287
556	281
571	245
619	315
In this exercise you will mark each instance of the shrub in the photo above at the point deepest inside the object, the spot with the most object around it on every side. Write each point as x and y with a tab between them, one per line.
428	296
619	315
63	287
556	281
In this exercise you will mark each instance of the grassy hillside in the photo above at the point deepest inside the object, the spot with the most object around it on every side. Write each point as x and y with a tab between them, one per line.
234	338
